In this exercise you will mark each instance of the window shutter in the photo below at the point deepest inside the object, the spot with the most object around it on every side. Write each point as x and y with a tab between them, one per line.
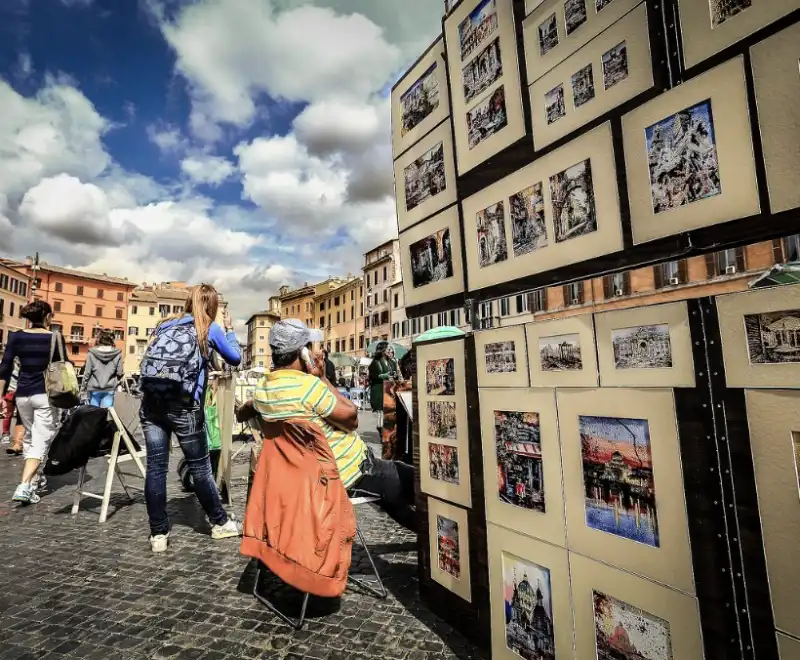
741	266
778	255
683	271
607	284
626	282
579	290
567	295
658	276
711	265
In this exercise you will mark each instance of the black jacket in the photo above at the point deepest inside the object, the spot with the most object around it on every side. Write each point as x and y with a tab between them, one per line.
330	371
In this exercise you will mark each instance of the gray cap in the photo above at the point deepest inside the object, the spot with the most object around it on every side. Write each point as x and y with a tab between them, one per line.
291	335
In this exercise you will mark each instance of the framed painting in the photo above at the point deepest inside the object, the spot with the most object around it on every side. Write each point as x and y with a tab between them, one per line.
623	481
529	593
761	337
483	67
777	83
449	547
430	258
645	347
689	156
788	647
774	421
425	178
710	26
556	29
619	615
502	359
611	69
561	209
420	99
561	353
522	462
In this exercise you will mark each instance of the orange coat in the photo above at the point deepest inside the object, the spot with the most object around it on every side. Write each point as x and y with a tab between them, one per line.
299	521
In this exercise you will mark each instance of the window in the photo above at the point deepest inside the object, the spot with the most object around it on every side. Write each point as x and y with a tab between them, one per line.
56	305
56	327
352	295
366	321
385	273
149	331
37	283
132	350
395	330
618	284
23	289
404	328
76	350
119	313
76	332
361	309
79	290
726	262
384	317
322	306
4	281
505	306
2	307
152	311
120	296
338	346
119	334
670	274
11	309
98	311
573	294
163	310
786	249
397	300
426	323
360	341
338	317
133	330
177	309
329	320
261	350
100	293
521	302
58	287
134	309
14	286
368	280
261	323
336	301
352	342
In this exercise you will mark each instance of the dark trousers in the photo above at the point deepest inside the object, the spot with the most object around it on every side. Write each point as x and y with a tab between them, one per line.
392	481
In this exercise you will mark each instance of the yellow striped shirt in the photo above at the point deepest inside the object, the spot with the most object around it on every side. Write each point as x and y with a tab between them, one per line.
286	393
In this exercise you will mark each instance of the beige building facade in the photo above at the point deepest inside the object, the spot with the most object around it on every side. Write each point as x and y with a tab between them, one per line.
258	352
381	272
340	315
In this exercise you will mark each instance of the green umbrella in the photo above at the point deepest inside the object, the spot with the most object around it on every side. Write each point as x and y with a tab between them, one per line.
341	361
442	332
777	275
399	350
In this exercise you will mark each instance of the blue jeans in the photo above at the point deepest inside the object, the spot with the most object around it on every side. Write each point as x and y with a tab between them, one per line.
186	420
101	399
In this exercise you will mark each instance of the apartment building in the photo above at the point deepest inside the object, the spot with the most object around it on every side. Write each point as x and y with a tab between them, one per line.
258	352
14	291
381	272
298	303
340	315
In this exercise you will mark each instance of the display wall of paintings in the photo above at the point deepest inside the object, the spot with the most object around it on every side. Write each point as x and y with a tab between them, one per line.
777	85
522	463
425	177
530	599
484	76
689	156
623	481
420	99
449	547
711	26
562	352
430	258
562	208
610	70
502	360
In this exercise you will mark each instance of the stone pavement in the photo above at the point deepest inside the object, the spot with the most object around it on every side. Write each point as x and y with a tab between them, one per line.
71	588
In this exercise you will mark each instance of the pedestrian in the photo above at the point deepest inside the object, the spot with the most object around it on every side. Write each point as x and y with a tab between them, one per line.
103	371
174	377
35	348
382	368
330	367
9	410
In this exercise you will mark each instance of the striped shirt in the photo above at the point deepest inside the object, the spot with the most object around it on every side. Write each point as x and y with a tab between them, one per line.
286	393
33	351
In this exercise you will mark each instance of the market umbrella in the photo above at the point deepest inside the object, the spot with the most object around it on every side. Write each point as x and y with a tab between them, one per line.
399	350
341	361
778	274
442	332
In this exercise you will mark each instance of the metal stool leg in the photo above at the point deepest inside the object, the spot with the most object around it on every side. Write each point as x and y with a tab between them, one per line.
297	624
369	585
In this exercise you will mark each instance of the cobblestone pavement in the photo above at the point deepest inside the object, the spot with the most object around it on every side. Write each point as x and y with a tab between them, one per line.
72	588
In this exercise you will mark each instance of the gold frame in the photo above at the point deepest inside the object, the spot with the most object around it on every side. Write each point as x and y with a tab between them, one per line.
676	316
788	647
580	325
447	219
633	30
400	144
461	586
774	63
518	378
460	493
773	415
671	562
596	146
701	40
466	158
679	610
731	308
556	561
725	87
547	526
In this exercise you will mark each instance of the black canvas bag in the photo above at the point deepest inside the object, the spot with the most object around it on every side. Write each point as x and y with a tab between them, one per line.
78	440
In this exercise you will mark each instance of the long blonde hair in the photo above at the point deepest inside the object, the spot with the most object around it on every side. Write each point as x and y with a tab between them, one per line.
203	304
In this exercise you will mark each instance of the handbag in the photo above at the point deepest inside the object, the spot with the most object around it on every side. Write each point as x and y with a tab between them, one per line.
60	379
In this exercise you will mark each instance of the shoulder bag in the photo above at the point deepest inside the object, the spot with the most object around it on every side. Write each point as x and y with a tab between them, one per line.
60	379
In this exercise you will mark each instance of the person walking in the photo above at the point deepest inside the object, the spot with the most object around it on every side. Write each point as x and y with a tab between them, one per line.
36	349
382	368
9	408
103	371
174	378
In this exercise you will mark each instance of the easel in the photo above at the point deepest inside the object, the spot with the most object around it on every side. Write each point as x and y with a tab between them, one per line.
226	400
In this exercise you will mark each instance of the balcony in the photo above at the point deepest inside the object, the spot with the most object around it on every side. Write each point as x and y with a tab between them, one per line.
76	339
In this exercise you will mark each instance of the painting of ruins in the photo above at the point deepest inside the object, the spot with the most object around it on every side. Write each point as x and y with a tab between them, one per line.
615	65
528	609
440	379
548	35
519	459
773	337
442	419
575	15
642	347
419	101
425	177
487	118
431	259
477	27
483	71
528	230
624	632
491	229
582	86
501	357
601	4
443	463
560	353
554	106
618	478
724	10
448	547
572	195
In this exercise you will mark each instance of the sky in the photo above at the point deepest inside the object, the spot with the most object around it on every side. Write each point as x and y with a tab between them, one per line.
245	143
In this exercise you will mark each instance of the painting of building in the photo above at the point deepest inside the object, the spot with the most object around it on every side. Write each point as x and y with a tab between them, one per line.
443	463
482	71
773	337
421	99
477	27
519	459
442	419
572	196
487	118
501	357
440	379
642	347
560	353
491	232
528	609
431	259
528	229
425	177
625	632
448	547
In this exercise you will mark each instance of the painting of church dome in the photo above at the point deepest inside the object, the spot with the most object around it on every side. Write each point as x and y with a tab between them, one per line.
528	609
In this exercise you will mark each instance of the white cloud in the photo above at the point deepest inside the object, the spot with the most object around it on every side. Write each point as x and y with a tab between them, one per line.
167	138
212	170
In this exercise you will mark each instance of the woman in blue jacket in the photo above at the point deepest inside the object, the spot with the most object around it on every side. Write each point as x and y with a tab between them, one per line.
184	416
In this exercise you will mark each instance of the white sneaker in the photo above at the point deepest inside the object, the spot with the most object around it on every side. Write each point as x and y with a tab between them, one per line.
229	530
6	440
159	542
25	494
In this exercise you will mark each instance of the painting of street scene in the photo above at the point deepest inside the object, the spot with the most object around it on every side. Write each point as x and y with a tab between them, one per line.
682	158
440	377
431	259
548	35
448	551
519	459
560	353
443	463
419	101
477	27
483	71
425	177
723	10
601	4
528	230
528	609
773	337
642	347
442	419
554	106
501	357
572	195
624	632
487	118
615	65
492	244
575	14
582	86
618	477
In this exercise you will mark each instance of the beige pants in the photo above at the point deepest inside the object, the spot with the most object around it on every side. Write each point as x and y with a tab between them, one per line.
40	420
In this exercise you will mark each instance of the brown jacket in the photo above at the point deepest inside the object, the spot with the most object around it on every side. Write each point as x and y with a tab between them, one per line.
299	522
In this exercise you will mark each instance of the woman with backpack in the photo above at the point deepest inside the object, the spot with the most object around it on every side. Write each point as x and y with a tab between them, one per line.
103	371
174	377
35	348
